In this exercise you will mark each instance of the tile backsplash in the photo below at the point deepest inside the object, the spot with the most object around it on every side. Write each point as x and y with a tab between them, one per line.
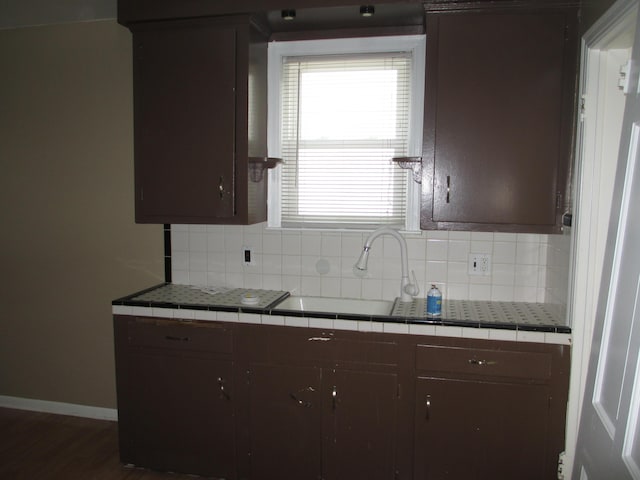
524	267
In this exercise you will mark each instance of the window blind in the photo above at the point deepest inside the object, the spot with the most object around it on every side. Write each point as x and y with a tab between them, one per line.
344	117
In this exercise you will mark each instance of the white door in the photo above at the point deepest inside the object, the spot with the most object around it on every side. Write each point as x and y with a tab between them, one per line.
608	444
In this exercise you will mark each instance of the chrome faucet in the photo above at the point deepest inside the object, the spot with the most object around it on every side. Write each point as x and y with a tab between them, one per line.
407	289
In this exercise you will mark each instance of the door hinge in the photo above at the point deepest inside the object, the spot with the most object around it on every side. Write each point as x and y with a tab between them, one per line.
624	77
561	460
582	107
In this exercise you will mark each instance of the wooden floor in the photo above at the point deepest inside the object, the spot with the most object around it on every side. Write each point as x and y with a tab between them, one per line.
43	446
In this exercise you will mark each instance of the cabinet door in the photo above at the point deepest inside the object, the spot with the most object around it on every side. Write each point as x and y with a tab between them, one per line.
498	118
477	430
179	414
359	425
184	106
285	422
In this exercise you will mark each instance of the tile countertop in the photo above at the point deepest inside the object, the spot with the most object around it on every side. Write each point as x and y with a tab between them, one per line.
536	322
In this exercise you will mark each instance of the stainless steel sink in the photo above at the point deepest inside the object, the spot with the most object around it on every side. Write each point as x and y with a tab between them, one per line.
336	305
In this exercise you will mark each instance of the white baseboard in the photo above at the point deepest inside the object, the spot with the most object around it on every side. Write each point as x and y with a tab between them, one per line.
59	408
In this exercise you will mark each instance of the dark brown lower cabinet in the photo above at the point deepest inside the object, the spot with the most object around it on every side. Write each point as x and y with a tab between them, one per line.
258	402
467	429
285	422
312	423
359	425
184	431
489	411
175	397
312	419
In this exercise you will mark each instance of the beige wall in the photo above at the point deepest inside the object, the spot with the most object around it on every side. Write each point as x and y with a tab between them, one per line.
68	242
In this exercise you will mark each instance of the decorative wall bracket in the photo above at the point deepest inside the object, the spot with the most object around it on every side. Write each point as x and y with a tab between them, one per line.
413	163
257	166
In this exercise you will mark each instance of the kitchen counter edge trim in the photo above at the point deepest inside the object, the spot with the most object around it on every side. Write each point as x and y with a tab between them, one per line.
362	323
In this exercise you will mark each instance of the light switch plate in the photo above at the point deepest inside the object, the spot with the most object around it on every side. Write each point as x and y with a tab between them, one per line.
247	257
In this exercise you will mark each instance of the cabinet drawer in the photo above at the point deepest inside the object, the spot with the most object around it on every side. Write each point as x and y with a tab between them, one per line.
170	334
477	361
367	352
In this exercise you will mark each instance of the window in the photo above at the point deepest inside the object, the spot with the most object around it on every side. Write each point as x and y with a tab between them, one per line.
339	111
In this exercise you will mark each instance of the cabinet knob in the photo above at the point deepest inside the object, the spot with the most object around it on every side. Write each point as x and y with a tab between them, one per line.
302	403
299	401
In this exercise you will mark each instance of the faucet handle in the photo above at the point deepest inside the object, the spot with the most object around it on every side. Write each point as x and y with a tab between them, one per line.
412	289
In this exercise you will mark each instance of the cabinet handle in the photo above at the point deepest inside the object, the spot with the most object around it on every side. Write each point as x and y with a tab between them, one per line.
302	403
221	187
427	415
448	187
334	395
481	363
176	339
222	389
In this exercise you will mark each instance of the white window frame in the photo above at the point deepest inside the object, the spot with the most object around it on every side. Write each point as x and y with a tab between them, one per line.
415	44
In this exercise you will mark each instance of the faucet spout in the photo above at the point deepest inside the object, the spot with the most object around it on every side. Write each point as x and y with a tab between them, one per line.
407	289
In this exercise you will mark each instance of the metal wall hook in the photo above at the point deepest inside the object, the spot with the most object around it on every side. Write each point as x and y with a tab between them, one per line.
410	163
257	166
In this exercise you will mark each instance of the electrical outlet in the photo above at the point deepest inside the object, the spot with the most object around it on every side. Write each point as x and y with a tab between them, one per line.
479	264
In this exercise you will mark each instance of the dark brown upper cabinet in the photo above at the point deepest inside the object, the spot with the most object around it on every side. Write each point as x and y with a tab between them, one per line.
200	120
499	119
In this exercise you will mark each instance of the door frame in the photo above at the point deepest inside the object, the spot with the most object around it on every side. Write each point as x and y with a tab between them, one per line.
584	285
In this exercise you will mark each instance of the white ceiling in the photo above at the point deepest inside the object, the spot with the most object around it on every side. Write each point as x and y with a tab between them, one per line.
22	13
